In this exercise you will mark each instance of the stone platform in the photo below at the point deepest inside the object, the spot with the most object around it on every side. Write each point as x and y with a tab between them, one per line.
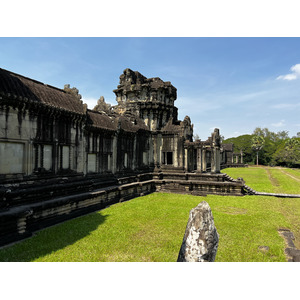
30	205
199	184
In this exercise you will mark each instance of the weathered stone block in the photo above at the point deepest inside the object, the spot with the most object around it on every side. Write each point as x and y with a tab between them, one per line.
200	241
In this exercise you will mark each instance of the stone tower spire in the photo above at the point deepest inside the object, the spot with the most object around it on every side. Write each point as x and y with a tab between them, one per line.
152	99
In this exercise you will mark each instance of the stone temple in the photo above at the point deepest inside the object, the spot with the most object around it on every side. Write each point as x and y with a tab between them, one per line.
59	160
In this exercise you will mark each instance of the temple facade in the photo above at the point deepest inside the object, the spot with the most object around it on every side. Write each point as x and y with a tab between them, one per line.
59	159
46	130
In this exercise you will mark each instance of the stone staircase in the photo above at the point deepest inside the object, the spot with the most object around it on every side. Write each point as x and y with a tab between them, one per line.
249	191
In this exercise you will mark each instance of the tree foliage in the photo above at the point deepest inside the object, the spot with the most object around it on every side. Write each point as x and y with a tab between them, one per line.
258	142
274	148
242	144
288	154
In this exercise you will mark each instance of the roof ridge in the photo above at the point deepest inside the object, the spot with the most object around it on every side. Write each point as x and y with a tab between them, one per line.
33	80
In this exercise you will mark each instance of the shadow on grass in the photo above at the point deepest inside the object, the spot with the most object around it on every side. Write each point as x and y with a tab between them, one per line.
52	239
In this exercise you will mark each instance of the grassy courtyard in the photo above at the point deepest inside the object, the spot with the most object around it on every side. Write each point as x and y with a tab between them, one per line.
151	228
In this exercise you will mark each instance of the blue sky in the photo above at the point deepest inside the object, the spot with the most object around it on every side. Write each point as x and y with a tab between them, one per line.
235	84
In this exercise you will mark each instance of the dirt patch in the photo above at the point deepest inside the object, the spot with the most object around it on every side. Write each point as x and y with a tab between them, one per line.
273	180
264	249
285	173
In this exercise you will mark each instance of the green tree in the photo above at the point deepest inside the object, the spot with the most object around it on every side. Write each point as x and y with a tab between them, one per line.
258	142
283	135
243	144
273	136
292	151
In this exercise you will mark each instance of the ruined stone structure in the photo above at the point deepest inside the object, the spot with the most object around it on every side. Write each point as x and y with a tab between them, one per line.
231	159
59	159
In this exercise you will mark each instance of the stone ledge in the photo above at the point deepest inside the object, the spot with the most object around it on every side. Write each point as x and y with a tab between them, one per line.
20	222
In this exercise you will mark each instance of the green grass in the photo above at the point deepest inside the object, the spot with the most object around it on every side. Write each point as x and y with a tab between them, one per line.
294	172
285	184
151	228
255	177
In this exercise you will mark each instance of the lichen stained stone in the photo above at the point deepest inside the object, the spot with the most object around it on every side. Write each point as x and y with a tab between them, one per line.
200	241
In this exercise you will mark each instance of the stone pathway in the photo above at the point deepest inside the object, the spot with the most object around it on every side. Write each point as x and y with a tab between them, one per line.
292	253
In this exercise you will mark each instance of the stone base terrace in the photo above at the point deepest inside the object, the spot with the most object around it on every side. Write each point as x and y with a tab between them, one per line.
30	205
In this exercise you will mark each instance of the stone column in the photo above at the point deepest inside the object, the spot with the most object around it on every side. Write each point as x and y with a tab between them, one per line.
151	120
146	118
151	150
242	156
236	159
218	159
164	119
153	142
199	159
30	155
204	160
155	120
215	160
186	164
175	156
134	160
114	155
159	149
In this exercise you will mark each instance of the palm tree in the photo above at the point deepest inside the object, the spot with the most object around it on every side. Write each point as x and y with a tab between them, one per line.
257	144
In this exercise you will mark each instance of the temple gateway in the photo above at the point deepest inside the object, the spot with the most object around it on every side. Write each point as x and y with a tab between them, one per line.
59	159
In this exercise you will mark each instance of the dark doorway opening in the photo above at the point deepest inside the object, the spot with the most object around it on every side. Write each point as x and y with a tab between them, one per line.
168	158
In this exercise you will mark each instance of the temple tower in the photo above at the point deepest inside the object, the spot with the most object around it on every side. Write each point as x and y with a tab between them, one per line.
150	98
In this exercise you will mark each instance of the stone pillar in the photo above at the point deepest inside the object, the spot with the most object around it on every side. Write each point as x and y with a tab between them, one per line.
151	152
151	124
186	162
146	118
215	160
201	239
242	157
175	156
30	162
164	119
155	120
204	160
199	159
159	149
218	160
134	160
153	142
114	155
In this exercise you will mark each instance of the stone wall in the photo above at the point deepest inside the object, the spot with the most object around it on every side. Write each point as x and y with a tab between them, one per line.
19	222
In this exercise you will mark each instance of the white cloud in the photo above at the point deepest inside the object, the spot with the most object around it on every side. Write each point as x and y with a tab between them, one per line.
292	76
279	124
91	102
285	105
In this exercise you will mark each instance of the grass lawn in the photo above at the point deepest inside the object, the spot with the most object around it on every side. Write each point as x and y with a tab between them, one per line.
151	228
